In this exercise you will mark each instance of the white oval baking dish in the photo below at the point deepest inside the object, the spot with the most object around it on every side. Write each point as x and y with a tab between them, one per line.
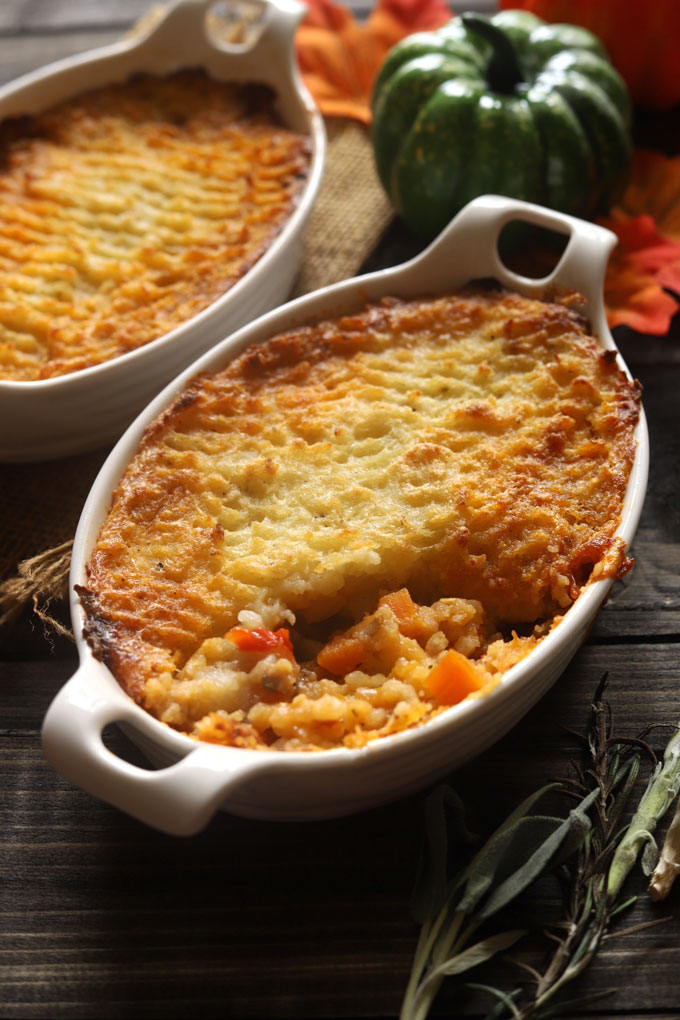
86	409
196	779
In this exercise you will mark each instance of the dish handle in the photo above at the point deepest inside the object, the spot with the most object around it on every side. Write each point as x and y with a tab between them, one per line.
185	21
471	240
179	799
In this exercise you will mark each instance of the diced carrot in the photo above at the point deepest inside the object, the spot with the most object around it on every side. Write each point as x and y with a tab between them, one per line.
453	678
405	610
342	654
261	640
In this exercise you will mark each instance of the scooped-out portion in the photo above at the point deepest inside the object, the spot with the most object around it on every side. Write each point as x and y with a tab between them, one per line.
366	520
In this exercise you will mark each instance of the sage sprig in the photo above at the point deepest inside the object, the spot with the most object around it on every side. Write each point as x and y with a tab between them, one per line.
510	860
610	772
590	847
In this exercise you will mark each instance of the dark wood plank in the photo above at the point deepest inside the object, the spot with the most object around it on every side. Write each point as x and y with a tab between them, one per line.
647	602
23	16
67	16
258	919
20	54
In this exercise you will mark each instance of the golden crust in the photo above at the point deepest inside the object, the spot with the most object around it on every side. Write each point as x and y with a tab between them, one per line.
127	210
472	449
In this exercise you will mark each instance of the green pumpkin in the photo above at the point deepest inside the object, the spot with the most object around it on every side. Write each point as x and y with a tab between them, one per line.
506	105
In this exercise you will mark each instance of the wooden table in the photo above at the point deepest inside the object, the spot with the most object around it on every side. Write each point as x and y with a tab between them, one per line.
103	916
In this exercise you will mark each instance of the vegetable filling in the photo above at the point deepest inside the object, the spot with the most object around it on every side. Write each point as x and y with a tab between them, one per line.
402	663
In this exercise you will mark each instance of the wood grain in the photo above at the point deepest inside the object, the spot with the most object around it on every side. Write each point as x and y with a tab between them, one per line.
265	919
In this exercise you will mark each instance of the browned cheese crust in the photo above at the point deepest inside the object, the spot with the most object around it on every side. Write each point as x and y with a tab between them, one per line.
127	210
472	449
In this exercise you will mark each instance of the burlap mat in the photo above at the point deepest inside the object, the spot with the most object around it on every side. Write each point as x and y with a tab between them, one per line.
40	504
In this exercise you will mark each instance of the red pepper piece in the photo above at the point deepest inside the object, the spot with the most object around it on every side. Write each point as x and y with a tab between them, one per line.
262	640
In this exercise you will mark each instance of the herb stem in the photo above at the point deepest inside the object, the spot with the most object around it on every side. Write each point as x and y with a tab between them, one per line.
419	964
420	993
429	954
580	958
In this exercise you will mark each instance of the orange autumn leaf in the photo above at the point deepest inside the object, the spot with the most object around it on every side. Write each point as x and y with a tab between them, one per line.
642	286
339	57
641	266
654	190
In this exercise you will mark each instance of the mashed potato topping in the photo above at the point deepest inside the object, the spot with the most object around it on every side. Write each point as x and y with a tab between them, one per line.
363	521
126	210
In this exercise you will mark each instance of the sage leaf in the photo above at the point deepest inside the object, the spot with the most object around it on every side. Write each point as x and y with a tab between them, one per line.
650	856
474	955
575	825
506	1001
520	811
471	957
518	843
443	806
487	859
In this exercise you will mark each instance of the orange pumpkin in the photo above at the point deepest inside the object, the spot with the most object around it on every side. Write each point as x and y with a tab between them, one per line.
640	36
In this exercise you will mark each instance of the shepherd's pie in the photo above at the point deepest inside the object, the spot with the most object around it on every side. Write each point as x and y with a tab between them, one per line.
360	522
127	210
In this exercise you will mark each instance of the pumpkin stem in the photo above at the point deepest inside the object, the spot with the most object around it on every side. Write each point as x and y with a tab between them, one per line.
503	71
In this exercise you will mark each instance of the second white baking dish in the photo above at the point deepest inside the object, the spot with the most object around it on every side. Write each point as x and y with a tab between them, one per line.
89	408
